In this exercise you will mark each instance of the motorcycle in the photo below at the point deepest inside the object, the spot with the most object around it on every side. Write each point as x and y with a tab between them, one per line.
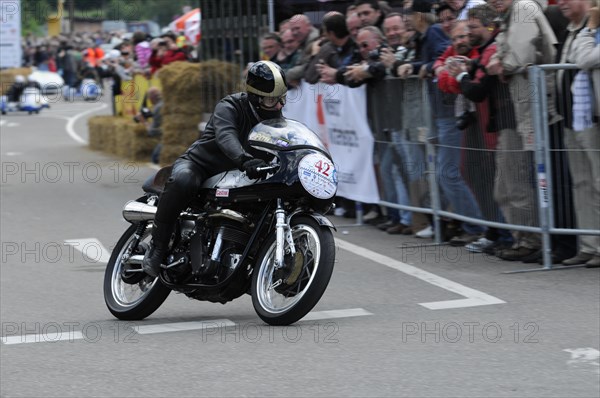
266	237
31	101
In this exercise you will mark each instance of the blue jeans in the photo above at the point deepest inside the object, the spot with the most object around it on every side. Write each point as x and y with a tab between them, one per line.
414	164
394	190
449	177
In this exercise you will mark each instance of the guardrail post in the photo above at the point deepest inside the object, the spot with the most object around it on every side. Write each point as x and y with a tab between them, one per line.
542	159
431	166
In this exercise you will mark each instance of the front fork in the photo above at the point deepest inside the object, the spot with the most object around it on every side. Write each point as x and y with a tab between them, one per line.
283	233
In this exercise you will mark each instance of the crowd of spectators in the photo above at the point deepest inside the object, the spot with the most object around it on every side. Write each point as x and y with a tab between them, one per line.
473	56
117	55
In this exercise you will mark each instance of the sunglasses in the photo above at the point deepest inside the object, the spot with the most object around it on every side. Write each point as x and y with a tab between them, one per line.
271	102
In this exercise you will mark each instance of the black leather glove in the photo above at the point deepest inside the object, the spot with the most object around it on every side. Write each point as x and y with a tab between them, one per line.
251	166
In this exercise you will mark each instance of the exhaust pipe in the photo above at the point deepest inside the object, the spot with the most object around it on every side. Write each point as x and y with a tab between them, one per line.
136	212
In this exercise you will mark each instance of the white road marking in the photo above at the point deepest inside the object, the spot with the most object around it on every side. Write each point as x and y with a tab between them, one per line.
183	326
473	298
13	153
50	337
584	356
91	248
7	123
72	120
54	334
319	315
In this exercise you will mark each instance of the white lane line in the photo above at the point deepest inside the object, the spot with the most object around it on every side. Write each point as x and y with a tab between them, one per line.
43	338
72	120
13	153
319	315
183	326
92	249
584	357
55	334
473	298
8	124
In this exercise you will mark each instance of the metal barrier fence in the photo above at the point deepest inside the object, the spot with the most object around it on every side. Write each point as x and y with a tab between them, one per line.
231	30
503	179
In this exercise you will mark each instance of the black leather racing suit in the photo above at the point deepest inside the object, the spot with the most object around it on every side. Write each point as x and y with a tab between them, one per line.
221	148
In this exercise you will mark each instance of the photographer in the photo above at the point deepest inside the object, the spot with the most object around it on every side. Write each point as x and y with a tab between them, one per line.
154	126
165	51
371	42
338	51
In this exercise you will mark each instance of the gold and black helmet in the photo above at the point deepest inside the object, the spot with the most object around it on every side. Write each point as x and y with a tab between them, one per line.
266	84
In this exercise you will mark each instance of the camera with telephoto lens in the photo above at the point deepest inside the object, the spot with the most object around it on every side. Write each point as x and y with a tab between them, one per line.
464	120
146	114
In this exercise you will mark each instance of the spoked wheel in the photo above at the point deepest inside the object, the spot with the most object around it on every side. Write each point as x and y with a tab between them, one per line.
283	296
128	293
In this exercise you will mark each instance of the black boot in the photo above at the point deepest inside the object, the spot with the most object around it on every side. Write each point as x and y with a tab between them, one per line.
161	235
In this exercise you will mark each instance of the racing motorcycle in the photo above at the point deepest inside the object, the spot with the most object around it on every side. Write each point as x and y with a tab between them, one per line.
266	237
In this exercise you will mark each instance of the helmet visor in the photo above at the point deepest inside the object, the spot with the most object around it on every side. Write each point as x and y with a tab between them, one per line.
271	102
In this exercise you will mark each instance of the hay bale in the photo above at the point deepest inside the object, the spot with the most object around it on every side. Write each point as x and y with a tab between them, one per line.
219	79
141	144
109	144
94	134
181	83
180	130
7	77
123	132
121	137
170	153
190	90
100	132
181	137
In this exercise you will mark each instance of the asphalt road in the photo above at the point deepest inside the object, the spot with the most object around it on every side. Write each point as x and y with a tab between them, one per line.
396	320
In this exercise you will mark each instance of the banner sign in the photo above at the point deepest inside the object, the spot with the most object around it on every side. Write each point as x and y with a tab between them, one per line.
339	115
10	34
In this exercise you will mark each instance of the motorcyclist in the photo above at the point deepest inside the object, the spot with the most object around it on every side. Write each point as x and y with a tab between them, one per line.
222	147
16	90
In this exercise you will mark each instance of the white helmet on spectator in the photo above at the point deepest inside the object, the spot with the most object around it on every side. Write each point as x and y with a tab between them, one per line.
112	55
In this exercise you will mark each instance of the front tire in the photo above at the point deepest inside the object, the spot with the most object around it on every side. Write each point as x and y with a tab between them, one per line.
131	301
282	297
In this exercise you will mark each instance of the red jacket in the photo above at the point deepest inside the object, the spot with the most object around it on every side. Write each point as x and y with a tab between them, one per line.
447	83
170	56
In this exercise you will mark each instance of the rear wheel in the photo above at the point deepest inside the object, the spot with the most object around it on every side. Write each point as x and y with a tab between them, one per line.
283	296
128	293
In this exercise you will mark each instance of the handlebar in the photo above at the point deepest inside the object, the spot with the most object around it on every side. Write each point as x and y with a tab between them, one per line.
268	168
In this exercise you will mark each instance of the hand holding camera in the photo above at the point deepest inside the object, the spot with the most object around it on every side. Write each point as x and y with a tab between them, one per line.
145	114
457	65
387	57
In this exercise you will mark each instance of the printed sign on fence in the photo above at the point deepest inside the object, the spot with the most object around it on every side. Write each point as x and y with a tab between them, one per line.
10	34
339	114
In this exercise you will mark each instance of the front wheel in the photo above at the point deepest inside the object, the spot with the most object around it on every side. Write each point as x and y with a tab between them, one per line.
131	295
283	296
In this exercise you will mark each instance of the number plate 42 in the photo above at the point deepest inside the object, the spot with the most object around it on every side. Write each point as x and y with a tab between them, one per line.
318	176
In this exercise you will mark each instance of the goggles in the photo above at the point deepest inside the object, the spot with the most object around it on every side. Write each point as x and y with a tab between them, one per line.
271	102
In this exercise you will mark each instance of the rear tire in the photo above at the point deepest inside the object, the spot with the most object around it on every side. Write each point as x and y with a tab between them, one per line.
282	297
131	301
